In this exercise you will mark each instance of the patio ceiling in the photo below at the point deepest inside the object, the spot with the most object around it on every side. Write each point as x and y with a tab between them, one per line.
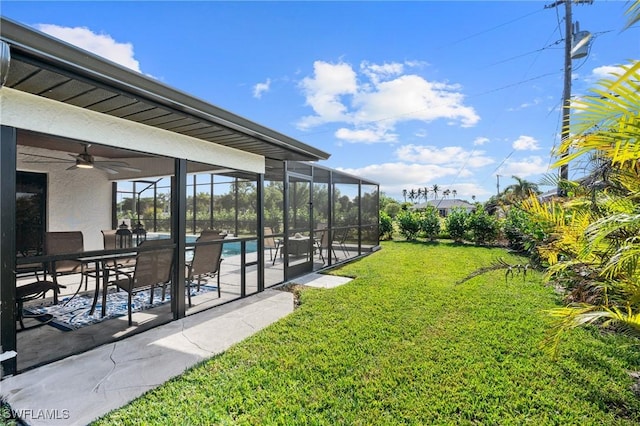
48	67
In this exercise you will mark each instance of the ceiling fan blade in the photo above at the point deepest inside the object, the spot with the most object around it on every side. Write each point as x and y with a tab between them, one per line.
130	169
117	165
47	162
112	163
49	158
106	169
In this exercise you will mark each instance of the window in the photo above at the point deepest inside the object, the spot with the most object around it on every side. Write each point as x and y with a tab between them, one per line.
31	199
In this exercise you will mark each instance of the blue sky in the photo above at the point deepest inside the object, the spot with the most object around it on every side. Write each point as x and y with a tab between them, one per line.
409	94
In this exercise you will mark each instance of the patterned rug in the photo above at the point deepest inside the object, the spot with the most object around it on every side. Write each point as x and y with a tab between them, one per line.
72	314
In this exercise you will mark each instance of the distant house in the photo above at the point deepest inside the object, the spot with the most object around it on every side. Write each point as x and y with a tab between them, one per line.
444	207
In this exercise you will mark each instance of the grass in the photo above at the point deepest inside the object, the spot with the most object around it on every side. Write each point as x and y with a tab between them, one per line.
403	344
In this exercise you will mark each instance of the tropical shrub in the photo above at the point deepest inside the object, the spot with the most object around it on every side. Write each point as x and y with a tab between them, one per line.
392	209
594	243
456	224
430	223
483	227
386	226
409	224
518	228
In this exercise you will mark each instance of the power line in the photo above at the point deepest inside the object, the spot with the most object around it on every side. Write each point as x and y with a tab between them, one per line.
515	84
524	54
490	29
503	161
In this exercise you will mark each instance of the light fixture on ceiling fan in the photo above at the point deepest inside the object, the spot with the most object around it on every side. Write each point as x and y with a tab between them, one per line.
84	160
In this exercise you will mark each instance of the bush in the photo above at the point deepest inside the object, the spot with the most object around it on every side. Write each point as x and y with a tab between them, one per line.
409	223
430	223
386	226
517	225
483	227
456	223
392	209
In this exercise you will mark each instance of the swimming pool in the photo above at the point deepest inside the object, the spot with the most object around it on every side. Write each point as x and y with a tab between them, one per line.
228	248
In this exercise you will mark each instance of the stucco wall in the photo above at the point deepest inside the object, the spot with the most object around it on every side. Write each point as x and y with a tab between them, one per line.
77	200
31	112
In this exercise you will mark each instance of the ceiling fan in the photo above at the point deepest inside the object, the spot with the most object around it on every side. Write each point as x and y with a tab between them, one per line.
85	160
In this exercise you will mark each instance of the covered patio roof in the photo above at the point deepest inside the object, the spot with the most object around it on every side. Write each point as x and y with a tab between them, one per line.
47	67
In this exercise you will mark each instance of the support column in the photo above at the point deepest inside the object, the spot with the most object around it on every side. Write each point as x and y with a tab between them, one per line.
8	341
359	218
179	235
260	224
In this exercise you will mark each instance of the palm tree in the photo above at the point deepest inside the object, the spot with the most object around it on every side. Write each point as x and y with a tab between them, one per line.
473	197
446	193
520	190
404	194
412	194
455	193
435	189
425	193
595	245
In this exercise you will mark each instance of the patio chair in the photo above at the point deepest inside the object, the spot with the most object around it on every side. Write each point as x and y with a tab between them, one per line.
323	244
68	242
271	243
110	241
206	261
341	240
32	291
152	268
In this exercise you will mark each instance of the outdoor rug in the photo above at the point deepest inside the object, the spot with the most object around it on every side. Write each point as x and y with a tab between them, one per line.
73	313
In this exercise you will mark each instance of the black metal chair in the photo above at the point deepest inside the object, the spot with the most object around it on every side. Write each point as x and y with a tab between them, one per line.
153	268
32	291
67	242
206	261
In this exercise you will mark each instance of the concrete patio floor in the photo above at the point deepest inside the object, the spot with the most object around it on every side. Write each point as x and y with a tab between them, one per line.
83	387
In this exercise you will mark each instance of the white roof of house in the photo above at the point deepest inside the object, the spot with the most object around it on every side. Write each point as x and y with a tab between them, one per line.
444	204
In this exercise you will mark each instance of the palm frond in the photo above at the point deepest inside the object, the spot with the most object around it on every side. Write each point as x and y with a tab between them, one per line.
510	270
633	13
573	316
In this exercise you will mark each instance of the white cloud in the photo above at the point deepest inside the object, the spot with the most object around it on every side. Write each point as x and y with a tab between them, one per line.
365	135
380	99
324	92
381	72
394	177
398	176
450	155
100	44
525	167
480	140
607	71
261	88
525	143
525	105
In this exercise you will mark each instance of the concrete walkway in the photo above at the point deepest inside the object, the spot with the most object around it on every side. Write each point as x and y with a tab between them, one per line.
320	280
81	388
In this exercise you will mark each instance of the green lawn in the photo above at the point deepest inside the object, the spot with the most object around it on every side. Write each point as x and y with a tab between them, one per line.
403	344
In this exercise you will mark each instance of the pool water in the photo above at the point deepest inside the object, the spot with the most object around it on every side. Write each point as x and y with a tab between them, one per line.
230	249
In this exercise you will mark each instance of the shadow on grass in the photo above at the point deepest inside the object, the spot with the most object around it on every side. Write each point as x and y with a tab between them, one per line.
601	359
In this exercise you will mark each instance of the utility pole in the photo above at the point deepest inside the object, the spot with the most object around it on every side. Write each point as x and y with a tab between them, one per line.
566	92
498	184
